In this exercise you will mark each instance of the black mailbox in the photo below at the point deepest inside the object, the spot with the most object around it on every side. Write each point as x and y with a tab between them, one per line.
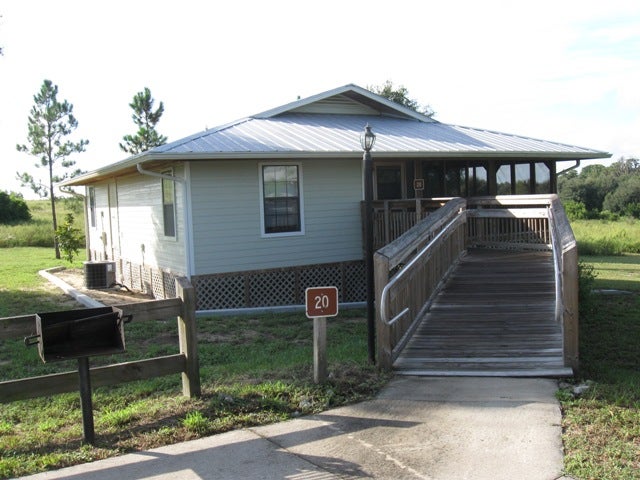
79	333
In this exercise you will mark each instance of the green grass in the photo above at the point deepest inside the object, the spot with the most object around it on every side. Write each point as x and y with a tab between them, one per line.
38	232
605	237
254	370
601	428
21	288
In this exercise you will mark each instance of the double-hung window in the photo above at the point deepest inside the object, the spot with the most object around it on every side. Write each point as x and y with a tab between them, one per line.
281	199
92	206
168	205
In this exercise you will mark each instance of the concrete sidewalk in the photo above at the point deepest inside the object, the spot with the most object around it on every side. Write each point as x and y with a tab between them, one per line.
417	428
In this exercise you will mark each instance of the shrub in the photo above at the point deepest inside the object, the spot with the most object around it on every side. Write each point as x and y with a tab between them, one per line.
70	239
13	208
586	279
575	210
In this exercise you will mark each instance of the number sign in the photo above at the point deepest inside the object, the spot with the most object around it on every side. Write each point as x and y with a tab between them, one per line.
321	301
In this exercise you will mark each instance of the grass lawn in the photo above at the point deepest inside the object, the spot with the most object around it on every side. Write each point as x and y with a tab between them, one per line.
254	370
602	427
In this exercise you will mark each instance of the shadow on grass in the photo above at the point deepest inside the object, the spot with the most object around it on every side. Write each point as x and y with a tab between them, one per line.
27	302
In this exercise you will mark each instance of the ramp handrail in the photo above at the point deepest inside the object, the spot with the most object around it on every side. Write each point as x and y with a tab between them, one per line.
407	268
565	253
409	272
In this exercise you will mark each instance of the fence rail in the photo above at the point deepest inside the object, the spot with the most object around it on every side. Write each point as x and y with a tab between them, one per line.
186	362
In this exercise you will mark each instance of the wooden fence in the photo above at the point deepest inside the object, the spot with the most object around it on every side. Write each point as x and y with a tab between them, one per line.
185	362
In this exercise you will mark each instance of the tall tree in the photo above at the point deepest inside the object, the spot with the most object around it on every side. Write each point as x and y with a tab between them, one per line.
146	119
400	95
50	122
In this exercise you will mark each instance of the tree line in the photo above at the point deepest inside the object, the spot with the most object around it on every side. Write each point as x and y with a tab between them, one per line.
600	191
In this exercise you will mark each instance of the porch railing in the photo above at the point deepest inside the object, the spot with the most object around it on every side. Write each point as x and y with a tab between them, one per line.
391	218
410	270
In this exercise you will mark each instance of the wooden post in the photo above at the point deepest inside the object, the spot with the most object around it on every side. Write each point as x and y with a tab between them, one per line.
570	315
383	334
85	400
320	349
188	337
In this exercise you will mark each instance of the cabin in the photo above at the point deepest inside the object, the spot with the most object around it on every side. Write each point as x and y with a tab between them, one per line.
256	210
475	265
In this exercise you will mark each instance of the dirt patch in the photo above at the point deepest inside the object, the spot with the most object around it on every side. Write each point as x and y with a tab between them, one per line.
108	296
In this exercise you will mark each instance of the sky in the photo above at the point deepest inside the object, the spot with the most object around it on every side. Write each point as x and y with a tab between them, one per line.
566	71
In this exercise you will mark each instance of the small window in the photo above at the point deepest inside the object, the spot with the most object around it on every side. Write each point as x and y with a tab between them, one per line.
523	178
388	182
479	184
168	206
503	180
543	178
92	206
281	210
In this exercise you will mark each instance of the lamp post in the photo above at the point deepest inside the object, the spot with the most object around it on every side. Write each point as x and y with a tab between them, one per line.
367	139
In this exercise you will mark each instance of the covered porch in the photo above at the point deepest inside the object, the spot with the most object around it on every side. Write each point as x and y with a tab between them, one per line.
406	191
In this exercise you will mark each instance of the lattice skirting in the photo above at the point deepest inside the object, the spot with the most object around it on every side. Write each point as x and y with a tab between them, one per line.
278	287
142	278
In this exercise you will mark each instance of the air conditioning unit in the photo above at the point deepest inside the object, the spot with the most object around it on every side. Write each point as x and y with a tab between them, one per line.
99	274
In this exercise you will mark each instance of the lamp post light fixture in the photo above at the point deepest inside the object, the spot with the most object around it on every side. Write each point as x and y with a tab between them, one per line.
367	140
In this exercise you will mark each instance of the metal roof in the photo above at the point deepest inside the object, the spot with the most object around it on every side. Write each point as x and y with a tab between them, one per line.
330	124
323	133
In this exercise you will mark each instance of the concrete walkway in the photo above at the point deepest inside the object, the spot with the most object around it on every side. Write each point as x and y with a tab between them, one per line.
417	428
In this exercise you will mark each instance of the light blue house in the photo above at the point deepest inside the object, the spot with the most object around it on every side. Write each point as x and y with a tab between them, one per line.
255	211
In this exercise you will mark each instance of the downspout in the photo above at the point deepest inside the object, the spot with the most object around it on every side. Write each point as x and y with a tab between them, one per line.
187	226
569	169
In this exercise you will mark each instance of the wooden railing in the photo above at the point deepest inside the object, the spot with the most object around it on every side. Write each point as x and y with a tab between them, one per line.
565	252
185	362
509	222
409	272
391	218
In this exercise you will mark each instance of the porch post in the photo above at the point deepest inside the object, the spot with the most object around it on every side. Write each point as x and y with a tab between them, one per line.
367	140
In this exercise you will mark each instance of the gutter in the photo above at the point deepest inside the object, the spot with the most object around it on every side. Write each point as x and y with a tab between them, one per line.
188	247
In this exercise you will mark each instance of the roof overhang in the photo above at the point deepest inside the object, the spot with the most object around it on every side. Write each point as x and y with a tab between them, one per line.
158	160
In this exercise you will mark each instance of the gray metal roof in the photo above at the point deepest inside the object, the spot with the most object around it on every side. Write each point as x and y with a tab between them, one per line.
323	133
329	125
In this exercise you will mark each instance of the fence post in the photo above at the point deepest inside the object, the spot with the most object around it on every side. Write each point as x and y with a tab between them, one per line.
188	337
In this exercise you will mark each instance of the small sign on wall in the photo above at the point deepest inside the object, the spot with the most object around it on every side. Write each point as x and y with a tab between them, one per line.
418	184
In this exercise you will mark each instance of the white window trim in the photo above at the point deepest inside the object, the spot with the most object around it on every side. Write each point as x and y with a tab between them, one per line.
261	200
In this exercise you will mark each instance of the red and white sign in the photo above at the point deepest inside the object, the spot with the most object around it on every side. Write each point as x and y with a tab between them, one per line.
321	301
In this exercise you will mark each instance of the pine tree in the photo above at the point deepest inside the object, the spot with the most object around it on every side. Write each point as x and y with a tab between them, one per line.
146	119
50	122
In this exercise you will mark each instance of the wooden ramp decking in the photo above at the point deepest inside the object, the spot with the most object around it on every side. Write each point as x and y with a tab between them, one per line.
494	317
